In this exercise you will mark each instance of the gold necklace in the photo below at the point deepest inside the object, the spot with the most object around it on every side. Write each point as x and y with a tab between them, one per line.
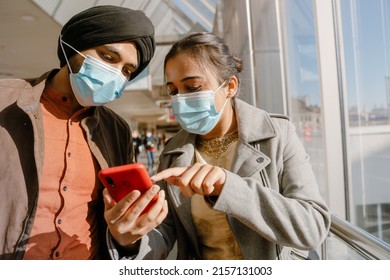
217	146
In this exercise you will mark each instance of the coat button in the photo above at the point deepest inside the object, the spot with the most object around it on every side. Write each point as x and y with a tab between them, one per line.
260	159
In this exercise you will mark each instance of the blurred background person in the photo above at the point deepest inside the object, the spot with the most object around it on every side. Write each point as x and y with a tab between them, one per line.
137	144
150	149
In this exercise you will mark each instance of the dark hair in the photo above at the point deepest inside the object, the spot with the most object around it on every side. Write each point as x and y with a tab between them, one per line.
211	51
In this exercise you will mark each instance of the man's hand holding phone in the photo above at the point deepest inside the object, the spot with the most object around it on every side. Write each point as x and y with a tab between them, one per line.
139	211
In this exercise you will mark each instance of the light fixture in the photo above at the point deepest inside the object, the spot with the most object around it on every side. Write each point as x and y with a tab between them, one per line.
28	17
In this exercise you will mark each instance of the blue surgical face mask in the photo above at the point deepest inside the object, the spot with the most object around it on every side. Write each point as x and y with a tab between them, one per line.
96	83
195	112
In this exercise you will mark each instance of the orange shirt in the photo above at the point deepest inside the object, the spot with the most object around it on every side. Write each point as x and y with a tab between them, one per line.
65	225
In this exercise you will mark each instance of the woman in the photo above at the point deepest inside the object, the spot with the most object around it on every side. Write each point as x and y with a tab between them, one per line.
238	182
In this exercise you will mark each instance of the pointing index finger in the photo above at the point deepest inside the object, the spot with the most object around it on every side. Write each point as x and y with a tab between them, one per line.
168	173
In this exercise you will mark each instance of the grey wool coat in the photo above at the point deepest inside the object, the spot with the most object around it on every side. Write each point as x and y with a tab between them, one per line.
271	197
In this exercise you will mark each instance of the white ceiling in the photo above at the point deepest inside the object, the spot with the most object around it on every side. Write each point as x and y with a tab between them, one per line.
29	31
28	40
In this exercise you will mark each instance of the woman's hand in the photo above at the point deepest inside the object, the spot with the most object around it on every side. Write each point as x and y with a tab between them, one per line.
203	179
124	219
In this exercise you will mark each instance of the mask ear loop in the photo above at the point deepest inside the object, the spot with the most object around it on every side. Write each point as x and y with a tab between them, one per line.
63	50
222	85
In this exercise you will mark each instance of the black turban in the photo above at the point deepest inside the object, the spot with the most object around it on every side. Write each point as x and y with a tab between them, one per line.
107	24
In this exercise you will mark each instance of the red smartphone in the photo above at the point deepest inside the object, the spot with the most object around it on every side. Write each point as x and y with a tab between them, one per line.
120	180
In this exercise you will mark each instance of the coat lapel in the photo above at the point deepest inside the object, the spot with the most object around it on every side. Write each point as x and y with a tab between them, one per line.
182	156
249	160
254	126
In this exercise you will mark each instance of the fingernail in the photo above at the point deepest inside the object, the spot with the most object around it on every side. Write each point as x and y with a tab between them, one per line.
162	194
155	188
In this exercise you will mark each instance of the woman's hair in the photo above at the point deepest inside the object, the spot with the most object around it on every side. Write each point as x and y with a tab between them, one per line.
211	51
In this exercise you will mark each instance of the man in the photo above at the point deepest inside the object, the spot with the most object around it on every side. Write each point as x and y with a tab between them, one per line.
150	148
55	135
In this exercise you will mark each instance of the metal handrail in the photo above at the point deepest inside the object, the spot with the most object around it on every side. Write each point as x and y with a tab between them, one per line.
361	241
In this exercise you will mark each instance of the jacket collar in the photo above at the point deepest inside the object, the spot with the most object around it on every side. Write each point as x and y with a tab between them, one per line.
253	124
35	86
30	102
184	145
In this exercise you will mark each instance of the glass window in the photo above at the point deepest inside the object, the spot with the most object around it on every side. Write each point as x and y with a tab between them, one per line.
302	81
366	53
340	250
